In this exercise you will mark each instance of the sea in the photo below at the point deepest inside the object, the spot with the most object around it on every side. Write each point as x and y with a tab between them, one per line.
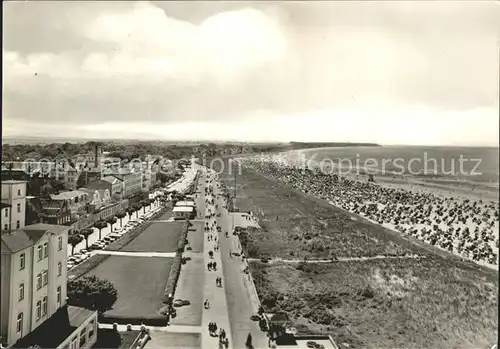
446	163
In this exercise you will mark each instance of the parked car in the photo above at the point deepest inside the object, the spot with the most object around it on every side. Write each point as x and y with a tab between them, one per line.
311	344
181	302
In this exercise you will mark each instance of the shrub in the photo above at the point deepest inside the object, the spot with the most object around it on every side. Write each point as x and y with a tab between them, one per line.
173	276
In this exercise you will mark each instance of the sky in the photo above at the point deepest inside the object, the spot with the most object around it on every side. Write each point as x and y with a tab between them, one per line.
422	72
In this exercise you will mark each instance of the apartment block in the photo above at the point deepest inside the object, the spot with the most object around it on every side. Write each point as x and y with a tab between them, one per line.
34	288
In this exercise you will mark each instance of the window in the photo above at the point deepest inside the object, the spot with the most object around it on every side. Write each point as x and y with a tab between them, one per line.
59	269
59	243
45	277
22	261
6	212
45	249
18	192
83	337
38	310
39	281
44	307
21	292
58	295
40	252
18	225
74	343
18	207
20	323
5	227
91	328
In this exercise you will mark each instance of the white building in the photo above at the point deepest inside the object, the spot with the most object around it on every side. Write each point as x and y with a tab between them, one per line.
182	212
33	292
14	194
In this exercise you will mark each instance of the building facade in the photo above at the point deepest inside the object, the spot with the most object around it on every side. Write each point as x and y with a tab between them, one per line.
5	216
34	289
14	194
33	278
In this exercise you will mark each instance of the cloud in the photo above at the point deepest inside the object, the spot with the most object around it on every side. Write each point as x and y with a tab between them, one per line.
122	67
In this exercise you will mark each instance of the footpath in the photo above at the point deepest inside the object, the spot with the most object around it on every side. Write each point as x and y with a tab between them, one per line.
218	311
241	295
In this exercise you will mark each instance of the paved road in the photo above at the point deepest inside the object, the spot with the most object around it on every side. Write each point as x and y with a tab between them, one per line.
218	311
239	306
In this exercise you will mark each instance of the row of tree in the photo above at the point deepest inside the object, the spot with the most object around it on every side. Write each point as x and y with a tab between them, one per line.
78	236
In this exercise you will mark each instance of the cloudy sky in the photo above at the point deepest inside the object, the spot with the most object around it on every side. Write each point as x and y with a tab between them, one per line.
387	72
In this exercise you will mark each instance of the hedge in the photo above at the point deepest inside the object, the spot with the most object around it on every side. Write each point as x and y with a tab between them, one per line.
175	269
125	320
173	276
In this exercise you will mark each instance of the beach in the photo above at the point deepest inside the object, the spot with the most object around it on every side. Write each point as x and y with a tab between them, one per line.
453	215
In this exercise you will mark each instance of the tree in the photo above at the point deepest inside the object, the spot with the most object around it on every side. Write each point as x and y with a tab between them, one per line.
137	208
120	215
86	233
93	293
144	203
111	220
74	239
100	225
130	211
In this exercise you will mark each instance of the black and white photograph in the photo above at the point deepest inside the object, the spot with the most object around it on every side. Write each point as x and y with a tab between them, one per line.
250	174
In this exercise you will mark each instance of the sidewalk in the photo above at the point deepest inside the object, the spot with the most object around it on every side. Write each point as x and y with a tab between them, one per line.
242	297
218	311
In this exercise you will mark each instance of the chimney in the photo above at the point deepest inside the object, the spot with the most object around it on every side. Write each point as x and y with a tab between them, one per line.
97	157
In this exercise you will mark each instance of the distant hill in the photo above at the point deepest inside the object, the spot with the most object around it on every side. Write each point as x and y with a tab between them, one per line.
303	145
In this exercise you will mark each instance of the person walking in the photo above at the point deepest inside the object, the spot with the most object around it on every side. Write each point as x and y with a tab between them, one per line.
248	343
214	265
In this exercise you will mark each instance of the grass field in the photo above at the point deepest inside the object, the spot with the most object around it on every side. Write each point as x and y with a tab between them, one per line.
294	226
140	282
158	237
432	302
383	304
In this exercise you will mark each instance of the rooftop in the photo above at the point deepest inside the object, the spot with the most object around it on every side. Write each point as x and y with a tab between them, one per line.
182	209
13	181
18	240
55	330
111	179
65	195
185	203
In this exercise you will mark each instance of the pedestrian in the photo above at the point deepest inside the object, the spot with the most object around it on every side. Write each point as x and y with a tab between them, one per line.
226	343
249	341
208	266
214	265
